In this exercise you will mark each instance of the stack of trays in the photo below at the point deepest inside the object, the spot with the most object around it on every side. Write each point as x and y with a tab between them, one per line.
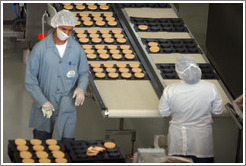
39	153
78	151
163	46
79	7
168	71
110	71
158	24
143	5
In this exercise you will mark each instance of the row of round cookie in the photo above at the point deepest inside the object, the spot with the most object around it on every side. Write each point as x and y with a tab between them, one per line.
97	31
80	6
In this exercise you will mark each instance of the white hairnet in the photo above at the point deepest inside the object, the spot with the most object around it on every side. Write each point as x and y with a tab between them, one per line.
187	69
63	17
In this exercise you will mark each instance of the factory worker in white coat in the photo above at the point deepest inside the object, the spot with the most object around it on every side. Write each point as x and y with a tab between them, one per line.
190	104
57	77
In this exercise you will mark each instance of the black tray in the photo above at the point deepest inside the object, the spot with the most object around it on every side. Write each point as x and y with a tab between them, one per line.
159	24
77	151
86	8
117	71
168	71
174	46
14	154
94	22
142	5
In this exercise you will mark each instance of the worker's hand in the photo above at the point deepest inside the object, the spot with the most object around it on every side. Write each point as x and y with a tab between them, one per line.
80	96
47	109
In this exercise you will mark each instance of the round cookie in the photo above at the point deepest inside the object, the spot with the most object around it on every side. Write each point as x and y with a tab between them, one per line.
108	14
83	14
98	70
108	65
109	145
99	46
81	35
104	31
25	154
28	161
92	7
91	56
104	56
108	40
139	75
125	47
113	75
121	40
94	35
92	31
127	51
104	7
85	18
100	23
117	56
137	70
112	23
154	49
118	35
68	7
134	65
87	46
100	75
102	51
110	18
120	65
94	14
96	40
110	70
97	18
20	141
95	64
58	154
88	4
80	7
143	27
88	51
44	160
79	31
112	47
88	23
51	142
61	160
65	4
78	23
116	31
123	70
126	75
114	51
152	44
106	35
102	4
92	153
42	154
83	40
38	147
129	56
22	148
77	4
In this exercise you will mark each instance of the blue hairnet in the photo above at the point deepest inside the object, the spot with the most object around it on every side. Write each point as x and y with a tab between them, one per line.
63	17
187	69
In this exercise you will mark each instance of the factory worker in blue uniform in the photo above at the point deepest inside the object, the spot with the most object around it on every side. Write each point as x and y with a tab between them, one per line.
57	77
190	104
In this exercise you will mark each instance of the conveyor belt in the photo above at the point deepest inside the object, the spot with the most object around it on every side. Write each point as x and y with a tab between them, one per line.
169	56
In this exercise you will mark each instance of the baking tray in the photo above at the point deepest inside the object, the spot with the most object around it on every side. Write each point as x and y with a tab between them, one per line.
117	71
183	46
77	151
168	71
14	154
159	24
86	8
143	5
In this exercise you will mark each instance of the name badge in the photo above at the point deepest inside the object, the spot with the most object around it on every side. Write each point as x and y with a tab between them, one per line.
71	73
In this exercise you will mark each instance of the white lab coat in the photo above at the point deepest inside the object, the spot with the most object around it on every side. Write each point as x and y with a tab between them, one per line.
191	106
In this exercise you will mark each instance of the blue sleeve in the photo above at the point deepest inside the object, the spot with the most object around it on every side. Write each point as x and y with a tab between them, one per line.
83	71
31	79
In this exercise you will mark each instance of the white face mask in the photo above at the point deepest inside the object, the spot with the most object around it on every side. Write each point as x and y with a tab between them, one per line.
61	35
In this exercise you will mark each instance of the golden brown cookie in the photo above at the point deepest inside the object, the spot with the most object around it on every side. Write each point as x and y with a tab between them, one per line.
78	4
79	31
99	46
116	31
92	7
152	44
108	65
44	160
113	75
104	31
28	161
119	35
98	70
104	7
97	18
100	75
121	40
129	56
80	7
89	51
123	70
92	31
143	27
84	40
91	56
125	47
100	23
114	51
88	23
68	7
106	35
102	51
87	46
112	47
108	40
38	147
20	141
22	148
110	18
83	14
102	4
25	154
137	70
51	142
117	56
119	65
127	51
133	65
81	35
94	35
66	4
124	75
96	40
92	153
61	160
58	154
78	23
110	145
104	56
154	49
95	64
95	14
107	14
110	70
85	18
139	75
112	23
42	154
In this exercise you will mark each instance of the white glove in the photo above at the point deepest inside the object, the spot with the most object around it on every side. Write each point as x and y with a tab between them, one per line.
47	109
80	96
